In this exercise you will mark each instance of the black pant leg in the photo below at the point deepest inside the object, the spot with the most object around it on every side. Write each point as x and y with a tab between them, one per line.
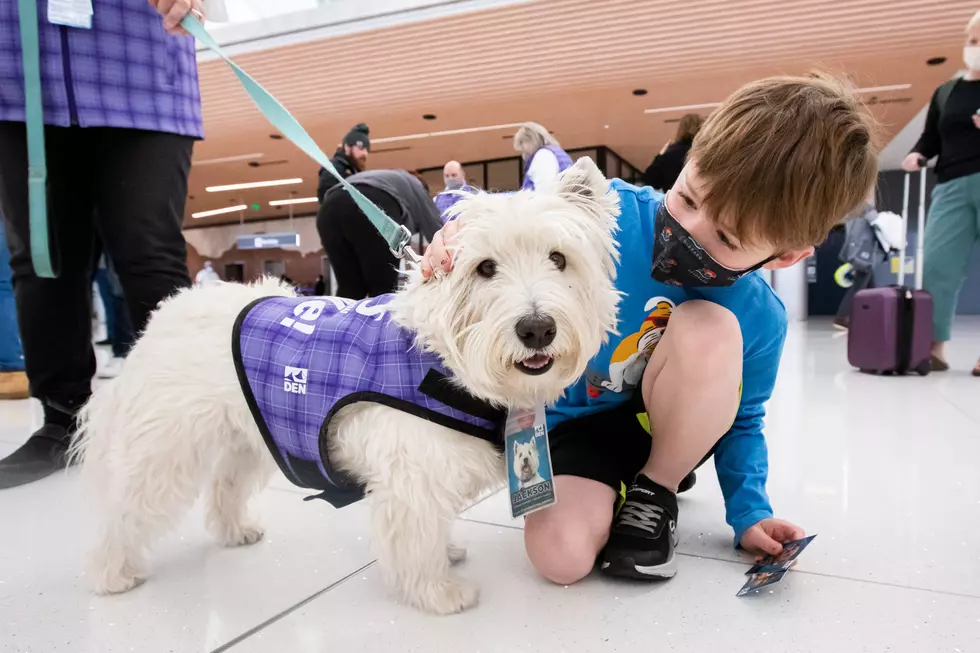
54	314
337	208
861	280
379	267
140	189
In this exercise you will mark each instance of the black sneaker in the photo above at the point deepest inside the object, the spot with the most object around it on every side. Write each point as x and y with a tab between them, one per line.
687	483
43	454
644	534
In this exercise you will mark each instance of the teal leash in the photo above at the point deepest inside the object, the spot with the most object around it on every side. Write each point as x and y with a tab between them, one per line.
397	236
37	167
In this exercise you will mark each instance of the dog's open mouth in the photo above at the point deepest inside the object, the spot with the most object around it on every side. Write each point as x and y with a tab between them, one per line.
537	364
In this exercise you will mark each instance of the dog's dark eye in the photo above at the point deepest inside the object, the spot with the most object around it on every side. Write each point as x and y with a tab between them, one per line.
558	259
487	269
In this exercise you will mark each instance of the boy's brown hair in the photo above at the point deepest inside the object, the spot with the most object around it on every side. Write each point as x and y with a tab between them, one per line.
784	159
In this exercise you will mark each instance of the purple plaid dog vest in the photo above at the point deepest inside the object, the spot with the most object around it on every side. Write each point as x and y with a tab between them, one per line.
302	359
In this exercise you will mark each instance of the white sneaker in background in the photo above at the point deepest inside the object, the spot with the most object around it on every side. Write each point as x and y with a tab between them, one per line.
111	368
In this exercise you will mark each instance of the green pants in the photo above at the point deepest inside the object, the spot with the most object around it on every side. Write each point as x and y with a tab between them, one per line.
951	232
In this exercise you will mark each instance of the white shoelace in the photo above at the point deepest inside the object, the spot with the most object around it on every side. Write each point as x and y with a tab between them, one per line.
644	516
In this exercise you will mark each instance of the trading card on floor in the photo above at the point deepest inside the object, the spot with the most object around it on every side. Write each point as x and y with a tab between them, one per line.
758	581
785	560
528	462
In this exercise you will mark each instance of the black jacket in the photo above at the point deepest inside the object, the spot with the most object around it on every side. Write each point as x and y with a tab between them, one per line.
327	181
418	211
666	167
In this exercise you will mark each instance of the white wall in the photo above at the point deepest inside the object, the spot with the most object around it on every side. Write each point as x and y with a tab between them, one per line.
790	286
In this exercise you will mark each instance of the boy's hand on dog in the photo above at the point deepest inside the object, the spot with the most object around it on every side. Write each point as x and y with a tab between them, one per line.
439	253
766	537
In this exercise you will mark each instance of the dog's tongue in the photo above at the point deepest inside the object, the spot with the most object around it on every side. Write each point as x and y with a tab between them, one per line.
537	361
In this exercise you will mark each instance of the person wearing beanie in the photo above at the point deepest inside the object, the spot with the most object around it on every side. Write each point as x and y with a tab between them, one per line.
350	158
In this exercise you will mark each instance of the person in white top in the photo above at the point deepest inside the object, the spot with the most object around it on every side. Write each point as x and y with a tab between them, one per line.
206	276
543	156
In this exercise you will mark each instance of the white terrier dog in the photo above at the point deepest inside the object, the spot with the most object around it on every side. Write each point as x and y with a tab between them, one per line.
226	375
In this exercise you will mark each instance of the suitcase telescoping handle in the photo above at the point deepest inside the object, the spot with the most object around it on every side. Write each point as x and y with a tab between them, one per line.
920	233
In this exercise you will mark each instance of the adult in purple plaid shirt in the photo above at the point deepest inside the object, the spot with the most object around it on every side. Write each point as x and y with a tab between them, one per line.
455	180
122	110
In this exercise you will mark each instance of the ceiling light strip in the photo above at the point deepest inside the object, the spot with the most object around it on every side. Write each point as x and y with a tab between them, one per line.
300	200
687	107
254	184
448	132
711	105
883	89
227	209
228	159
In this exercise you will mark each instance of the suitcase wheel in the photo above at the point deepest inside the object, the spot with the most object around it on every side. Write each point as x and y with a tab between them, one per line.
924	367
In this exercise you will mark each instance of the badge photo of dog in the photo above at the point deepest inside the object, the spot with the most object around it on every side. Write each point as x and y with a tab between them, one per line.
230	381
527	463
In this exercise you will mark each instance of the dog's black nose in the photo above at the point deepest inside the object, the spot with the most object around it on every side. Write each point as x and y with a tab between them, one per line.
537	332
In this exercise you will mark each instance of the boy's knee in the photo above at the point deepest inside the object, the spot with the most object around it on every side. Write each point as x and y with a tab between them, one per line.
562	552
705	328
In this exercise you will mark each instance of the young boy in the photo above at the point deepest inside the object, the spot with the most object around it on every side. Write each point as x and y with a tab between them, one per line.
771	171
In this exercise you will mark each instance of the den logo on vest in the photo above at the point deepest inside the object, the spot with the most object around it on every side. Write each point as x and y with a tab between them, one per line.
295	380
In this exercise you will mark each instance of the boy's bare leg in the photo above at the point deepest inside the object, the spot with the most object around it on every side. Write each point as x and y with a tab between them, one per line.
691	394
690	389
562	541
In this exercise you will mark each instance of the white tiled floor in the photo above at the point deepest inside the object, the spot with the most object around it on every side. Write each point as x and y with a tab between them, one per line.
886	470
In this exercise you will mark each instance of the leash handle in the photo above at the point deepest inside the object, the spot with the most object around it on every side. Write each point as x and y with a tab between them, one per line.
37	167
397	236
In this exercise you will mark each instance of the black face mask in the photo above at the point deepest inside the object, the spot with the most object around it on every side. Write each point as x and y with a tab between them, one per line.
679	260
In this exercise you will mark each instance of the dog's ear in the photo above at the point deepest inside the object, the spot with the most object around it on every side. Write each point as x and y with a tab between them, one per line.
584	186
583	180
515	448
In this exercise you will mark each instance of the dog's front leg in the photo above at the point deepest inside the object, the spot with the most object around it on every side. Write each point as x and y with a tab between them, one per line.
412	541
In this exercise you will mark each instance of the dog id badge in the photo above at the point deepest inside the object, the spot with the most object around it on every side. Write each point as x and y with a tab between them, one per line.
70	13
529	475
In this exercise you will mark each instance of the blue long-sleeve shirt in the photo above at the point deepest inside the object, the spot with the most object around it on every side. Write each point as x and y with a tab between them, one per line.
741	457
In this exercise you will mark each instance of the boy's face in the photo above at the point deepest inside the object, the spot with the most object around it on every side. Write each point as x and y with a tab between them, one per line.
684	202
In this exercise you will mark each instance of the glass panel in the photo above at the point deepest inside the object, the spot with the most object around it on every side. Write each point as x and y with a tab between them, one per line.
612	166
578	154
474	174
504	175
433	177
628	173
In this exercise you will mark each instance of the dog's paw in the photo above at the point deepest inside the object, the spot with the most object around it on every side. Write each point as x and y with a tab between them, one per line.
456	553
241	535
117	583
447	596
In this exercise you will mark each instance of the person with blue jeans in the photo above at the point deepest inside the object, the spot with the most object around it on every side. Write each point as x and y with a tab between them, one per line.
13	380
952	133
121	109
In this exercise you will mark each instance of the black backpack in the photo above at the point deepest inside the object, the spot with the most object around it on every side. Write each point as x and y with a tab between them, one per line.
942	95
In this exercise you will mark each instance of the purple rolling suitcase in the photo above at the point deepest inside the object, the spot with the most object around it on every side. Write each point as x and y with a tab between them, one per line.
891	328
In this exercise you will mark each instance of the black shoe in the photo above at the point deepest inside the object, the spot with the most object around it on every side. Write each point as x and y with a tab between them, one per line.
42	455
644	534
689	481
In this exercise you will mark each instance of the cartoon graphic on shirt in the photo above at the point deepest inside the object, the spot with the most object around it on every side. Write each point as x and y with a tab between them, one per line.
594	382
631	356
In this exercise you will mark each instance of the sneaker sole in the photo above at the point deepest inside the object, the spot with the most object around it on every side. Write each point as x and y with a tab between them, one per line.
626	568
